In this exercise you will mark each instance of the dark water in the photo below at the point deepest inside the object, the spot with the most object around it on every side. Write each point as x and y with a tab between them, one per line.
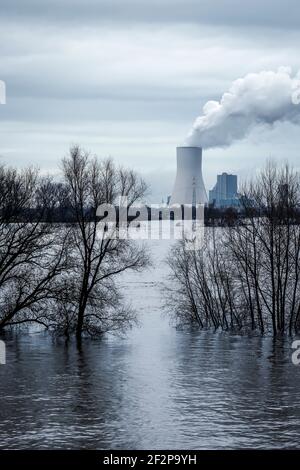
158	388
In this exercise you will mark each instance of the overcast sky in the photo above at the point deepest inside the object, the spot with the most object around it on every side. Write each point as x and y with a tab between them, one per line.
127	78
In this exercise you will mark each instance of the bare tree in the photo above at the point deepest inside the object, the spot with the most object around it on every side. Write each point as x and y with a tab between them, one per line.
94	305
247	275
32	252
267	244
52	200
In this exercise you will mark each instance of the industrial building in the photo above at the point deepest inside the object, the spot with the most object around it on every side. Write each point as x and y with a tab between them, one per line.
225	192
189	186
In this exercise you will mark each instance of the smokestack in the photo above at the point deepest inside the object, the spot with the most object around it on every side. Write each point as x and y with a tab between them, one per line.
189	186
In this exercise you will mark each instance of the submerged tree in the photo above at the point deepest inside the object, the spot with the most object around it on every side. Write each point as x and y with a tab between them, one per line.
58	264
91	303
32	253
247	275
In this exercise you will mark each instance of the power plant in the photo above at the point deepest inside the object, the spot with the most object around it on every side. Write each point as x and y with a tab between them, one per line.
225	192
189	185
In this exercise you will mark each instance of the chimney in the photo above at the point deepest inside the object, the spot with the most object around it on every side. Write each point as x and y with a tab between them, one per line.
189	186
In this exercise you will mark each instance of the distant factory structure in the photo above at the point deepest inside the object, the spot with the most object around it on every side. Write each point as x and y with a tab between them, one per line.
225	192
189	186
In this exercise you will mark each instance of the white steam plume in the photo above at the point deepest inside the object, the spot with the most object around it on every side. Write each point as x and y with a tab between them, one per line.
263	98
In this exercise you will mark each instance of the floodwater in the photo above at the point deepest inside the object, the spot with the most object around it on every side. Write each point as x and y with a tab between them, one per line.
158	388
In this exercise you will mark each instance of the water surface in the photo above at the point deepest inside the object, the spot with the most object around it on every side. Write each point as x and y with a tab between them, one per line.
157	388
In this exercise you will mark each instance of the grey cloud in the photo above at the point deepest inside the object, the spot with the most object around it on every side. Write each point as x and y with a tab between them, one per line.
273	13
171	66
127	78
72	111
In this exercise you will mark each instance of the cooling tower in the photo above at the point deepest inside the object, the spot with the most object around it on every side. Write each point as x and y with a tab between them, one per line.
189	186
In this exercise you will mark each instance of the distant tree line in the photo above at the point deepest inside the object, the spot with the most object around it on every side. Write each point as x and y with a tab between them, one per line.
63	276
54	206
247	275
